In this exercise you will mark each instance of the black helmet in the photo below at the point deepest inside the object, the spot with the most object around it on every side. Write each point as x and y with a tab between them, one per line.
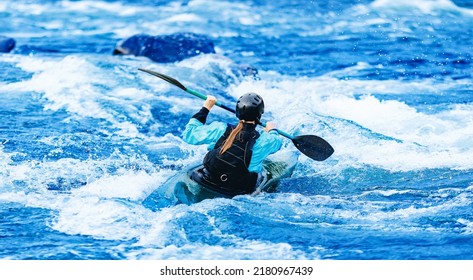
249	107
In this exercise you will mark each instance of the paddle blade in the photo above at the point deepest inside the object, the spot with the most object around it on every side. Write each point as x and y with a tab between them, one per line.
164	77
313	146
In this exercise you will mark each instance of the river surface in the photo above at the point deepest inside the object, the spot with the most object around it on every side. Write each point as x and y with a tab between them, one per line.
85	137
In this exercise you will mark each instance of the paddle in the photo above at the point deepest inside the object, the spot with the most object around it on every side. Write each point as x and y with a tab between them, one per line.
310	145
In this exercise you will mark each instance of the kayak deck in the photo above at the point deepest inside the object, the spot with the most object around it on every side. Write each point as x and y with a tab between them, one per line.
181	189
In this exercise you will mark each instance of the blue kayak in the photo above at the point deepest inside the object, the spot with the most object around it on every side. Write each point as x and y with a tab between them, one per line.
181	189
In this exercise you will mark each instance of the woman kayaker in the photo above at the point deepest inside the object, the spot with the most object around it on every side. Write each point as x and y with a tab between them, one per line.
235	160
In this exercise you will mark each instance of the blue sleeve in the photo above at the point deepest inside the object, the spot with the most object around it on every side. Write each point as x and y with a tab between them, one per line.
268	143
198	133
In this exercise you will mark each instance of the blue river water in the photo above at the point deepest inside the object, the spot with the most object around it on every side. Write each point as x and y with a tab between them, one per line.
85	137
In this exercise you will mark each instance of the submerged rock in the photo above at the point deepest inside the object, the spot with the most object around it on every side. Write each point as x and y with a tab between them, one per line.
6	44
165	48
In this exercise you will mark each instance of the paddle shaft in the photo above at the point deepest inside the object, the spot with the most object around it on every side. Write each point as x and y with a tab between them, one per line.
204	97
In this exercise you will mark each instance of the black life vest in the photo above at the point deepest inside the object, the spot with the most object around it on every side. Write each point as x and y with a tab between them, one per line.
228	173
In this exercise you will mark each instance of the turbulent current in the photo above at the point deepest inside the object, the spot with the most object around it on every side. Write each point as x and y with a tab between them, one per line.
85	137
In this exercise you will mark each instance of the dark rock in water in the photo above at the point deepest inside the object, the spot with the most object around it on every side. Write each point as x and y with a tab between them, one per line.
165	48
6	44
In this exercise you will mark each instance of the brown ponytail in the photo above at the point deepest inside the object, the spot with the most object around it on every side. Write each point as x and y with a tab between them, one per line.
229	141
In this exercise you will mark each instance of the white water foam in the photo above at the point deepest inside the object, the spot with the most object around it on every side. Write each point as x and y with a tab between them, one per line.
352	212
424	6
255	250
468	230
366	130
102	6
80	87
106	207
100	197
166	239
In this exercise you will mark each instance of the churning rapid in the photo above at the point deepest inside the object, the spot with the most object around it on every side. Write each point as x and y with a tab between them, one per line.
85	137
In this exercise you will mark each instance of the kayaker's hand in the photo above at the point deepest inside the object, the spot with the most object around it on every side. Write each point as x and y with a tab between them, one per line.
210	102
269	126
